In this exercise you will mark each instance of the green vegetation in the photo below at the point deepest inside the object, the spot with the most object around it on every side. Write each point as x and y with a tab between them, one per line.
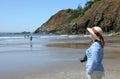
79	12
74	13
89	4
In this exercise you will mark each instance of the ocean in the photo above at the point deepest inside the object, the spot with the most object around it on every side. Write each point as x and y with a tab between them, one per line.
50	56
19	55
24	39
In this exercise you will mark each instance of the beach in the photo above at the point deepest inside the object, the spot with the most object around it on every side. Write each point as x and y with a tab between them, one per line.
54	58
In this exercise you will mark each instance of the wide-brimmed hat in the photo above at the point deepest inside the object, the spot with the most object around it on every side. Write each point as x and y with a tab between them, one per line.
96	32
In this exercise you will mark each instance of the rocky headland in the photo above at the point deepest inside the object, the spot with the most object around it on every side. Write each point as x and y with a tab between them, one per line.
103	13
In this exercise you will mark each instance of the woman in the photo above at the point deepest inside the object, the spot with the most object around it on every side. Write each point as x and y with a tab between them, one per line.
94	53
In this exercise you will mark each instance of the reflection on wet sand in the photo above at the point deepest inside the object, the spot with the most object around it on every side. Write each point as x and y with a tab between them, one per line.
60	60
31	44
112	46
69	45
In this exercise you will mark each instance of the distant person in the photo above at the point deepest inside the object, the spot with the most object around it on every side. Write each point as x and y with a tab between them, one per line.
31	38
94	54
26	36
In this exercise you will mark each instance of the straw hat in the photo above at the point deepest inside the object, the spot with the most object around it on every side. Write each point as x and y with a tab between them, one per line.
96	32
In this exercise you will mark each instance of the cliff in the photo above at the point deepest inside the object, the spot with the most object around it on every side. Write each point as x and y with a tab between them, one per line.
56	24
103	13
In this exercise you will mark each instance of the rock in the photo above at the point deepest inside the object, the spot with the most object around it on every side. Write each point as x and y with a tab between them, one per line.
104	13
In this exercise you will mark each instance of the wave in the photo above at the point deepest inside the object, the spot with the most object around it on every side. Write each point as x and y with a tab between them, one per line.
60	36
38	36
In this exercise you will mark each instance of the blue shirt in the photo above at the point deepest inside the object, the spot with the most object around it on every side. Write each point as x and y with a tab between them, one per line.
94	58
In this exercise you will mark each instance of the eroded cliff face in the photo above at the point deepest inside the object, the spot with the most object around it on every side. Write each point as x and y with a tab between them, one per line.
105	13
56	24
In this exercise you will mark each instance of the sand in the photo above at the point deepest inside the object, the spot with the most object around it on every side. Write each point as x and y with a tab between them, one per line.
111	58
28	62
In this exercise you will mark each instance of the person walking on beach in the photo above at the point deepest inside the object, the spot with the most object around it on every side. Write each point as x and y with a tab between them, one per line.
94	54
31	38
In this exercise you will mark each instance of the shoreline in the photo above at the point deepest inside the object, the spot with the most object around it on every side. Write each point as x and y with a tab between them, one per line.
63	61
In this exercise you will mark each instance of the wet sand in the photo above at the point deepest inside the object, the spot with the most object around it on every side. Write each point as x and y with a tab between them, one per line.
32	63
111	56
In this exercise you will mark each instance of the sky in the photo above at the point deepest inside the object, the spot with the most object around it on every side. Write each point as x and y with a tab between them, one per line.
28	15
